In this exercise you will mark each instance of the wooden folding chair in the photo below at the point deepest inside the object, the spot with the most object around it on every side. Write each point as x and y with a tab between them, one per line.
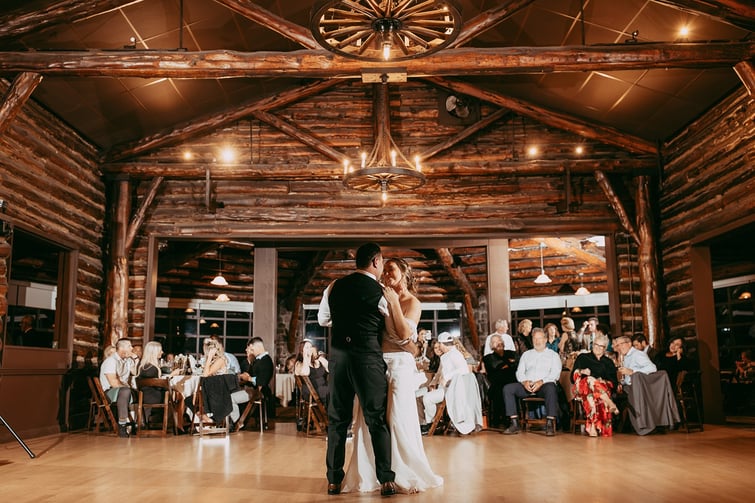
166	405
317	414
686	394
259	401
104	411
439	412
205	427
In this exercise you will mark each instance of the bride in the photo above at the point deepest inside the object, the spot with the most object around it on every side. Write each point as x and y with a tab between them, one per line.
408	459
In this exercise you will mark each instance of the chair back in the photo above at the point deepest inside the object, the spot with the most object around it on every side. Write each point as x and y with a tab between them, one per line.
166	405
104	411
318	414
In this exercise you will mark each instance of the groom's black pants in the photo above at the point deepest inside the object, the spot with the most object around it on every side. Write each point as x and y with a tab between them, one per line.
363	375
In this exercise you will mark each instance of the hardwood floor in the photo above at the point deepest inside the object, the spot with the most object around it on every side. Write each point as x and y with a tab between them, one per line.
281	465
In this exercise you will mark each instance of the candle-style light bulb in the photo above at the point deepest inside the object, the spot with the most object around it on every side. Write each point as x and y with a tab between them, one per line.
416	163
384	196
364	159
393	158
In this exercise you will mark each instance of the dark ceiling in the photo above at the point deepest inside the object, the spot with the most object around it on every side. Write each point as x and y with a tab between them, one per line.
651	103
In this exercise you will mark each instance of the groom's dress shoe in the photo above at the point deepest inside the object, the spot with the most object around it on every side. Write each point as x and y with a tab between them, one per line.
388	488
334	489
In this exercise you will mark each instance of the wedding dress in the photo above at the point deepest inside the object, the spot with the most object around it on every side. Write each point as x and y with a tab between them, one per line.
408	459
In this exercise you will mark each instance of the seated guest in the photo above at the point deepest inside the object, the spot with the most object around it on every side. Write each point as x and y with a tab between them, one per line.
115	377
221	397
553	339
571	342
108	352
594	380
290	365
500	366
632	360
233	362
310	362
473	364
673	361
522	339
640	342
258	371
149	368
457	384
745	367
538	372
501	330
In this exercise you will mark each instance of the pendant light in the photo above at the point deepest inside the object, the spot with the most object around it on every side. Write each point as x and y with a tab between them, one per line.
582	290
542	278
219	280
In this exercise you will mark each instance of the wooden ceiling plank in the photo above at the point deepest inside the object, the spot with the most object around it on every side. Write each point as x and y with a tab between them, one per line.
267	19
488	19
207	124
18	94
617	205
323	64
603	134
735	12
23	21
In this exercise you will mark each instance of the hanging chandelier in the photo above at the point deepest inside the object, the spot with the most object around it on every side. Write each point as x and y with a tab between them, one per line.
219	280
582	290
542	277
385	30
385	169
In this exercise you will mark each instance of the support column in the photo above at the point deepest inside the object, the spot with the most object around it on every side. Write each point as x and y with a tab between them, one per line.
707	335
499	282
647	258
265	297
116	298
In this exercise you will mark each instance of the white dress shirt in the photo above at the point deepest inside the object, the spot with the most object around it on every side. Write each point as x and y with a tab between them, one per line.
639	362
537	365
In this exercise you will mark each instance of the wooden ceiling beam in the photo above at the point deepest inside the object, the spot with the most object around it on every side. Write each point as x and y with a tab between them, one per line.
267	19
300	135
489	19
466	133
323	64
18	94
457	274
26	20
746	72
581	255
208	123
617	205
603	134
145	169
735	12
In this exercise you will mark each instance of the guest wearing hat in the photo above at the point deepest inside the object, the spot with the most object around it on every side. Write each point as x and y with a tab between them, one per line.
455	383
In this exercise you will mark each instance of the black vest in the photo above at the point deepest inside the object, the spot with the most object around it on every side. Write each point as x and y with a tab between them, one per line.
357	323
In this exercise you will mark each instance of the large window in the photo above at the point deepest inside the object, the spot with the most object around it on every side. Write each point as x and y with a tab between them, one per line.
37	287
183	329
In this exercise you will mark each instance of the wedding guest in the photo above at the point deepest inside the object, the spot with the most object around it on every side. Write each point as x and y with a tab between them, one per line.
502	330
115	377
500	367
522	340
595	380
310	362
632	360
673	361
553	339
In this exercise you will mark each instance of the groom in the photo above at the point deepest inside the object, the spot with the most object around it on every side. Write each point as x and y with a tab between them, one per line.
355	305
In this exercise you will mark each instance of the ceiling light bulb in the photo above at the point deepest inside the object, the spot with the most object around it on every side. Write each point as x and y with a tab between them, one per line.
684	31
188	156
579	150
384	196
387	50
532	151
219	280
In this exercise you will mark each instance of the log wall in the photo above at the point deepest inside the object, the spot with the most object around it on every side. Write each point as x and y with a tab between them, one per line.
708	185
52	186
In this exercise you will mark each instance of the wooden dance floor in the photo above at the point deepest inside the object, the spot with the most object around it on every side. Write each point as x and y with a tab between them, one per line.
281	465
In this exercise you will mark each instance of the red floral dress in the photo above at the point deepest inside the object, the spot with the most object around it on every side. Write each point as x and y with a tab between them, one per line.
598	407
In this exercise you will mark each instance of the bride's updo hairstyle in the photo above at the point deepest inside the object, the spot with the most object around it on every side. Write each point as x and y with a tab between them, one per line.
406	272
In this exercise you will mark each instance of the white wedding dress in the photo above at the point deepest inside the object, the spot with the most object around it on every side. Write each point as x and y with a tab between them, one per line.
408	459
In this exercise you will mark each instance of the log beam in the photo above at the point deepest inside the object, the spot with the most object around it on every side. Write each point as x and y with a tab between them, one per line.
18	94
616	204
298	134
489	19
138	219
563	247
466	133
456	272
267	19
736	12
323	64
29	19
145	169
565	122
746	72
209	123
473	335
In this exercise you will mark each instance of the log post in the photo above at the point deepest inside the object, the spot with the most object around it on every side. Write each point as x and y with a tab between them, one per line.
615	202
647	258
474	337
116	299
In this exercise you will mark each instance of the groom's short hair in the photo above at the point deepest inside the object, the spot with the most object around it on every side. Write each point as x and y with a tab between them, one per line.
366	253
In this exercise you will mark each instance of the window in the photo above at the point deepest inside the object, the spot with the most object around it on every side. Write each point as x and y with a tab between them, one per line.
38	285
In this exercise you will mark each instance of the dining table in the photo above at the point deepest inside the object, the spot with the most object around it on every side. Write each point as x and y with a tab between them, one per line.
185	386
284	387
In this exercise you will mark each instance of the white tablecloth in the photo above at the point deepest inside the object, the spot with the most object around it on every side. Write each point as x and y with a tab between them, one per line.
186	385
284	387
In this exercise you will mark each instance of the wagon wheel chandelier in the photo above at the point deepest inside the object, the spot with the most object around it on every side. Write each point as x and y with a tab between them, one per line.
385	30
385	169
